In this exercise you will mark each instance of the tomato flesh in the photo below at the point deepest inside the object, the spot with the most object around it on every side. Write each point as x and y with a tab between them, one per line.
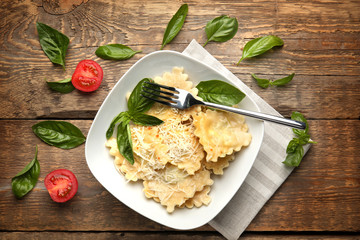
61	185
87	76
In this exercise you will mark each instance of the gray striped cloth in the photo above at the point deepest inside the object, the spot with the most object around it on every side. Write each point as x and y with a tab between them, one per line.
268	171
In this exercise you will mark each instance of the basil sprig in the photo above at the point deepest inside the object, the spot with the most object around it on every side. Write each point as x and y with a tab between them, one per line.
60	134
175	24
26	179
115	52
265	83
219	92
295	150
221	29
137	105
260	45
53	43
62	86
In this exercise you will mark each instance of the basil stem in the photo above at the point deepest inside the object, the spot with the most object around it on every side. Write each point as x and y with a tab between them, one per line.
260	45
115	52
53	43
59	134
264	83
221	29
62	86
26	179
220	92
175	25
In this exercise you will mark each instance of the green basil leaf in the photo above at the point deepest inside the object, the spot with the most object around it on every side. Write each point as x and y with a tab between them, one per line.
59	134
27	178
220	92
145	120
260	45
293	159
221	29
293	144
299	117
124	142
175	25
62	86
283	81
123	116
264	83
138	103
115	52
53	43
304	138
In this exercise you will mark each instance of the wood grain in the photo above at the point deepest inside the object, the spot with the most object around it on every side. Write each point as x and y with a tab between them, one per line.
164	235
310	196
24	93
320	199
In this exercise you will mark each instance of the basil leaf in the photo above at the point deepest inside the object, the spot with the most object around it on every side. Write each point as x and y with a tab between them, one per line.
53	43
293	159
283	81
145	120
264	83
175	25
27	178
299	117
221	29
115	52
124	142
123	116
62	86
59	134
220	92
304	138
138	103
293	144
260	45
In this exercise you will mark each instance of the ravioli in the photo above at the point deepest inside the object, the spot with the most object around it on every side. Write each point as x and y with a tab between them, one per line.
175	160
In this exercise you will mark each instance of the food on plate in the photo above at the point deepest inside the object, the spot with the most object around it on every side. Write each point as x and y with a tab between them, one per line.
87	76
61	184
176	158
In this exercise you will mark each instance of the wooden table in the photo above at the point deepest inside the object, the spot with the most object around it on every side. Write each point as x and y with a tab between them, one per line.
320	199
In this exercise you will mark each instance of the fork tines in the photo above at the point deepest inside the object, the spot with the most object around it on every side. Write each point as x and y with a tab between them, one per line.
152	91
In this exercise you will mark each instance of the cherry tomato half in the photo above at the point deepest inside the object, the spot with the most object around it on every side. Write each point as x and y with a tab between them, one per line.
87	76
61	185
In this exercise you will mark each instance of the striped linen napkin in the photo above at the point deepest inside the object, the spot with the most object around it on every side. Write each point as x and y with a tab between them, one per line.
268	171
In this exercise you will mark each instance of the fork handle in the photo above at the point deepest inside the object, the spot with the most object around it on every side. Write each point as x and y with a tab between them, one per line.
262	116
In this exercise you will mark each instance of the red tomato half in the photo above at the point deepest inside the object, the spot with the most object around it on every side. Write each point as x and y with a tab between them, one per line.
87	76
61	185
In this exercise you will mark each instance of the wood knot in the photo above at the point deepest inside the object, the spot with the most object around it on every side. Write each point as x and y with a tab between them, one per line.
61	6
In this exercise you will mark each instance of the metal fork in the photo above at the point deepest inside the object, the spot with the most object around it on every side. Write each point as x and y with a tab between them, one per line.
182	99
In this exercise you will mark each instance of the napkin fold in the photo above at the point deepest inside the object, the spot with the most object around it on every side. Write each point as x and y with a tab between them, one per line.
267	173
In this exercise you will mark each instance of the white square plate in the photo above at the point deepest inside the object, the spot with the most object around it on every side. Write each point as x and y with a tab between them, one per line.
101	163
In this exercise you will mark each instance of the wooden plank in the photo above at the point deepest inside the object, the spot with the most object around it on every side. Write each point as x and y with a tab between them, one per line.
24	67
25	94
321	195
166	235
131	22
